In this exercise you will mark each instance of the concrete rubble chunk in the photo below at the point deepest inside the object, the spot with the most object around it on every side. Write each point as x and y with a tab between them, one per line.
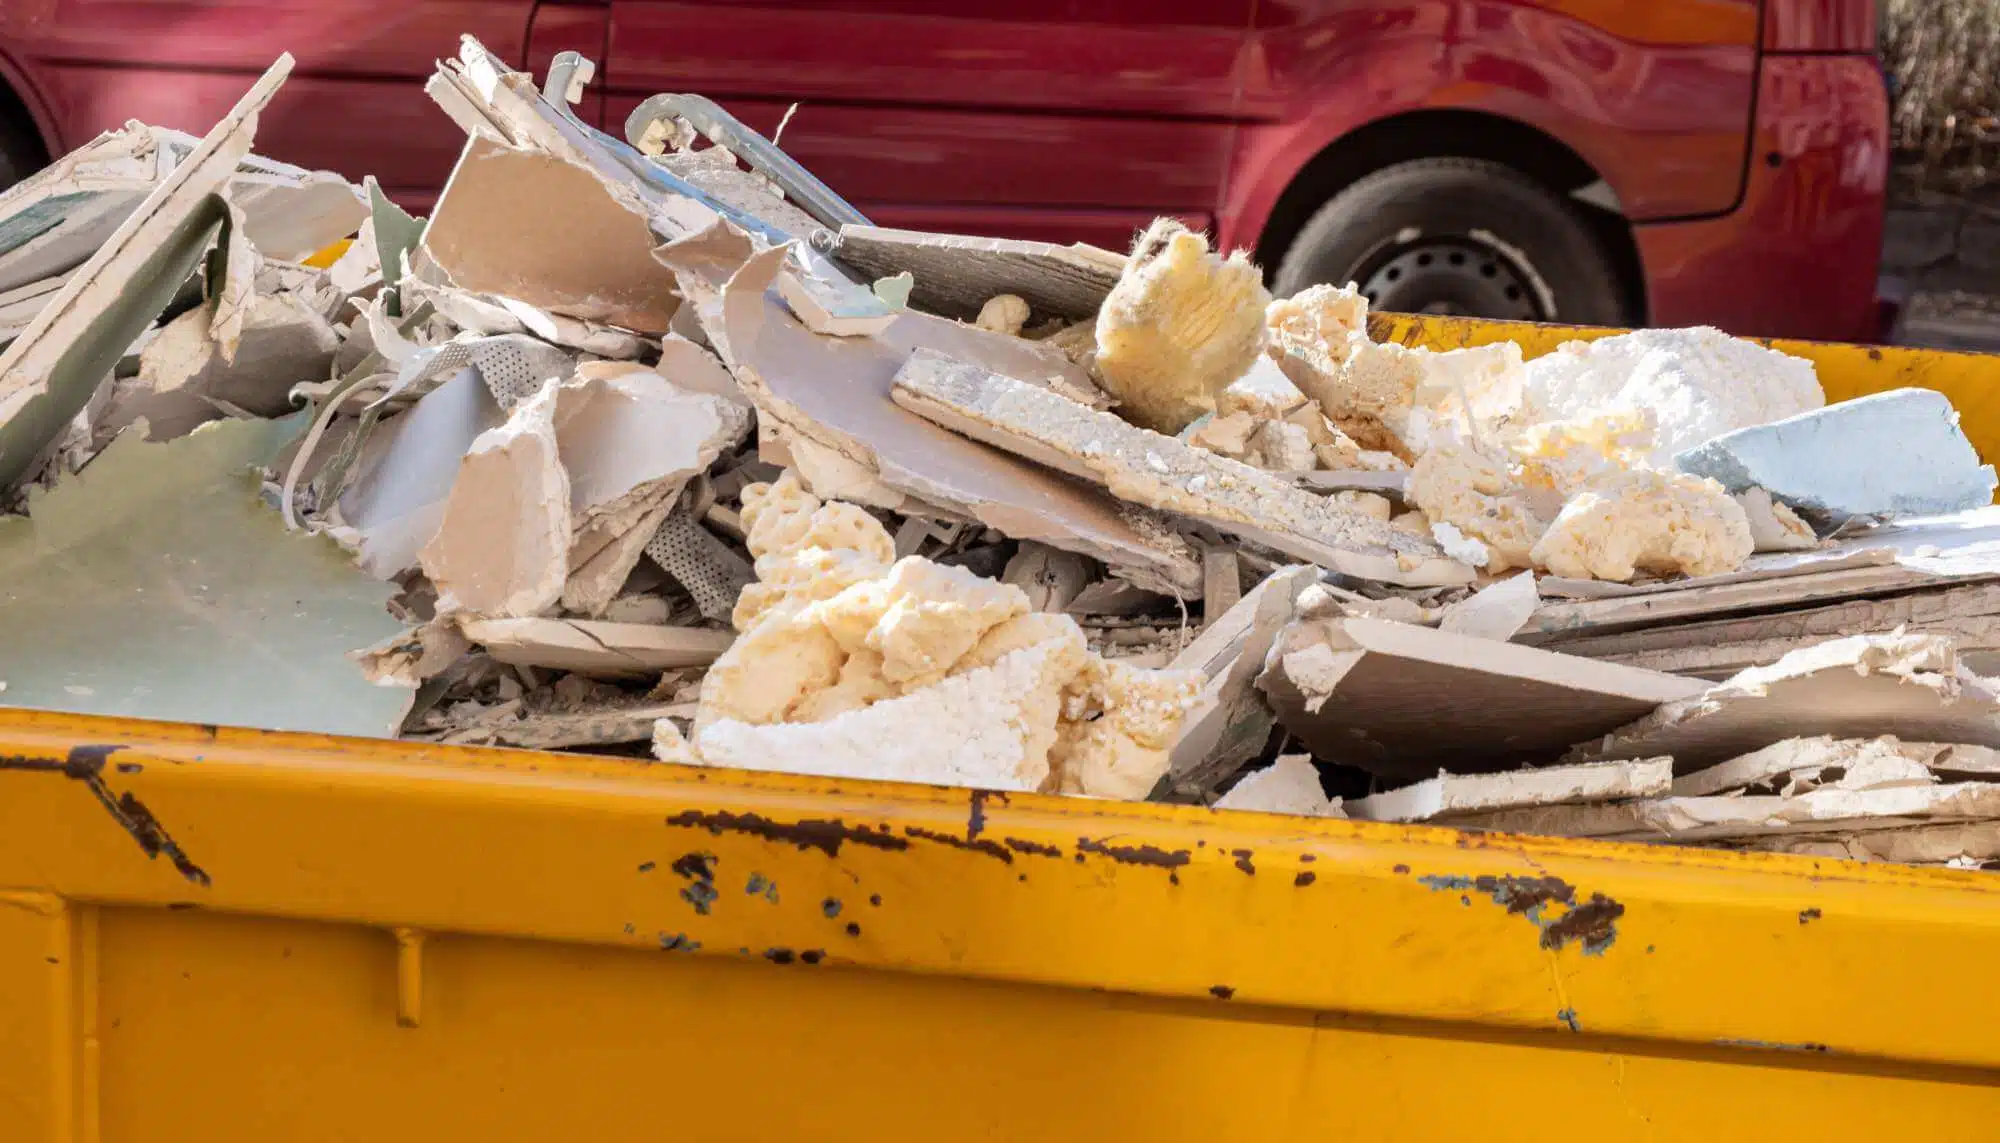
1919	461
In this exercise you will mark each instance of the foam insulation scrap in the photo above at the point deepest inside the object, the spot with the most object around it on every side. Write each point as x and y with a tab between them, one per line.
1180	325
1647	520
852	663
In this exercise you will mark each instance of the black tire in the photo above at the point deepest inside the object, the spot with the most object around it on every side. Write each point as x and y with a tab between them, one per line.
1463	236
21	153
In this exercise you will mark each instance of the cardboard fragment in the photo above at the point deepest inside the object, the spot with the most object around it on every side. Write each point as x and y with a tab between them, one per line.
835	392
1404	701
1453	794
1162	472
1908	685
595	648
956	274
52	369
156	584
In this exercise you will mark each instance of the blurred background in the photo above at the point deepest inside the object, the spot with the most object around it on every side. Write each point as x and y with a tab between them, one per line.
1797	168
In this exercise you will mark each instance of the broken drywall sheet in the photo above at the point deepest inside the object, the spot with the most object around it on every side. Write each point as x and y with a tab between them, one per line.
956	274
395	501
502	547
1957	844
156	584
1368	692
1797	764
56	365
1908	685
1288	786
1919	461
1451	794
53	220
282	343
290	213
1732	817
1162	472
835	392
1497	611
529	226
635	437
593	647
1230	722
824	309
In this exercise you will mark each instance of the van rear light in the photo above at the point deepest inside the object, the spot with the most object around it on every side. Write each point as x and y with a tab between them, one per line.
1819	25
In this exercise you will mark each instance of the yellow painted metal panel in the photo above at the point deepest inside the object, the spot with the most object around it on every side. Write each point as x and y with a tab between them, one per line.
1971	380
612	943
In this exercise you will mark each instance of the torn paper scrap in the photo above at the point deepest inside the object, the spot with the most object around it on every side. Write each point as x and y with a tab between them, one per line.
156	584
1162	472
1449	794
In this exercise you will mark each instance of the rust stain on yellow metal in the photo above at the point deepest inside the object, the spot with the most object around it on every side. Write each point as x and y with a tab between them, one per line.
234	935
1971	380
603	948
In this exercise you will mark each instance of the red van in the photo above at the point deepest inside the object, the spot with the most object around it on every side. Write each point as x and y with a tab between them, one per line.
1670	162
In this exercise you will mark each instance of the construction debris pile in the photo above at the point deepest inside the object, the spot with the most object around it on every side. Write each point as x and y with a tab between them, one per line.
634	450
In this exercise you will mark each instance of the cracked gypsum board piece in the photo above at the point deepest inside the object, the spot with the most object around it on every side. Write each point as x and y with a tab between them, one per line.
956	274
595	648
48	374
835	393
1161	472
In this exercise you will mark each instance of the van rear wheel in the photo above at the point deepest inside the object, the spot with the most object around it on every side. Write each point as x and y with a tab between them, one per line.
1458	236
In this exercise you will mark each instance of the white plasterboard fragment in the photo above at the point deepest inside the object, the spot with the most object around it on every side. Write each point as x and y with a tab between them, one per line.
502	547
637	435
1824	810
156	584
1544	786
1908	685
293	214
610	650
396	498
818	304
1496	611
955	274
52	369
526	225
835	391
281	343
1163	472
1952	843
1230	721
1288	786
1404	701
